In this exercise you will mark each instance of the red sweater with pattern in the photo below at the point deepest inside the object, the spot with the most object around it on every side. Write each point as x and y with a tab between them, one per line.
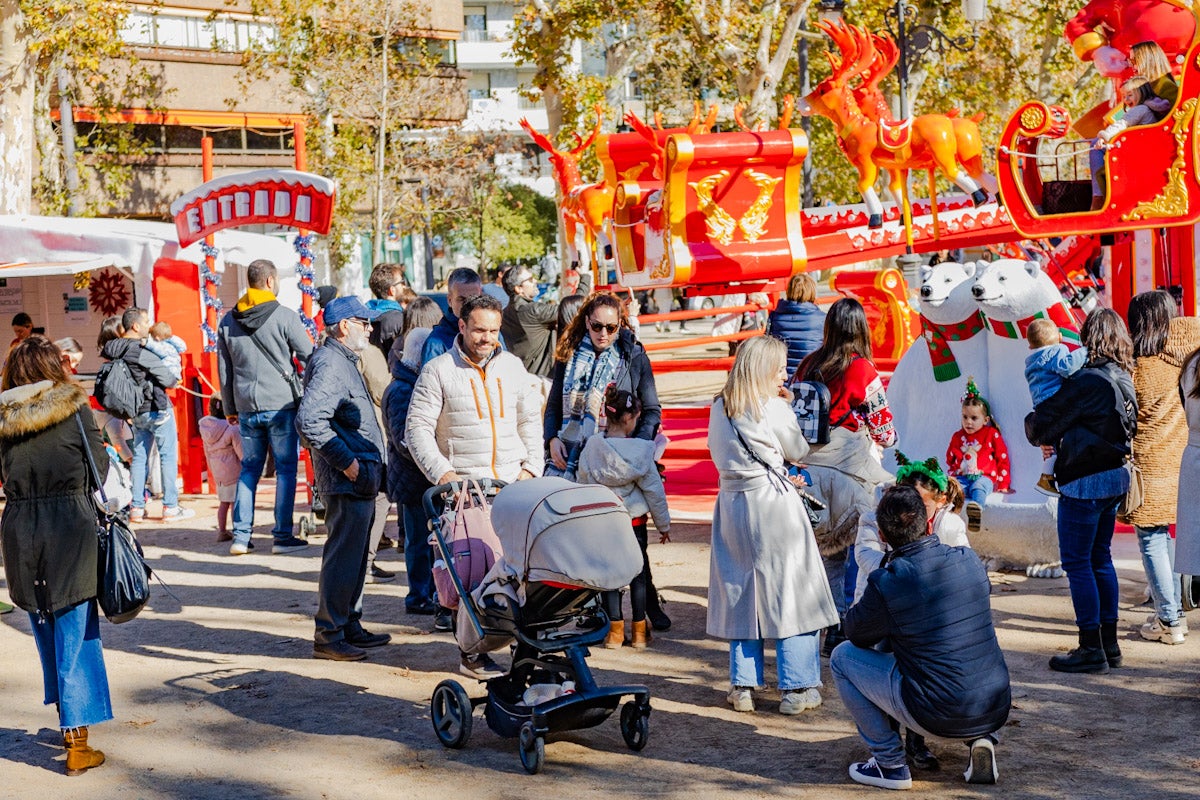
981	453
859	392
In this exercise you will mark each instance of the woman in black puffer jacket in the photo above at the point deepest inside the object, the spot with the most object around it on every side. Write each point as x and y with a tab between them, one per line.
1090	423
48	534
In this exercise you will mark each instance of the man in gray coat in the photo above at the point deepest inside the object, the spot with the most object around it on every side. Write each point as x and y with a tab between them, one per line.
256	345
529	327
337	420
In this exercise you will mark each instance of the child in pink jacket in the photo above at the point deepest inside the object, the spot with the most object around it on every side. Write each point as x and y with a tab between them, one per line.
223	450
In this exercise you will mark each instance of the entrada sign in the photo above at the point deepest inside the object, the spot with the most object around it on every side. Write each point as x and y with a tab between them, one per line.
280	196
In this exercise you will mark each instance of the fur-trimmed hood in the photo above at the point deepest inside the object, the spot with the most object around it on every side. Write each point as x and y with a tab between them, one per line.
34	407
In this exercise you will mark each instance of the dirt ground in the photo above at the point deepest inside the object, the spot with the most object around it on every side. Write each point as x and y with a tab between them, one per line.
216	695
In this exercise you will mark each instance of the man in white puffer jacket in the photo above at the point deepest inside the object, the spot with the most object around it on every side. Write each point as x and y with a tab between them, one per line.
475	411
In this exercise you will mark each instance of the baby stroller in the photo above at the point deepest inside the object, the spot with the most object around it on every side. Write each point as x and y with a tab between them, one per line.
560	544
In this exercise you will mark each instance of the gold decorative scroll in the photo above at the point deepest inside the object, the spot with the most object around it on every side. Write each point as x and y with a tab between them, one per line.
720	223
1173	200
754	221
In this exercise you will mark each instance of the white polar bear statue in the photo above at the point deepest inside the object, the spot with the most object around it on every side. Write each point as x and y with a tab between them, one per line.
961	307
1011	294
926	389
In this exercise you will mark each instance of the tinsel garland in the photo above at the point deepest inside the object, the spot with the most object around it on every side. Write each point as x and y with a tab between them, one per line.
307	276
209	278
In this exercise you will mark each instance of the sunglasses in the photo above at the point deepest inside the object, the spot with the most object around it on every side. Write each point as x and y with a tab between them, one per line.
600	326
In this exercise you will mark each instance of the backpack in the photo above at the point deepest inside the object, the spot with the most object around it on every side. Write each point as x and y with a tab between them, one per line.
471	545
117	391
811	403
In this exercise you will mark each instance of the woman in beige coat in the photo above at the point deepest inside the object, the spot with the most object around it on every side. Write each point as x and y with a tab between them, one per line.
766	580
1161	343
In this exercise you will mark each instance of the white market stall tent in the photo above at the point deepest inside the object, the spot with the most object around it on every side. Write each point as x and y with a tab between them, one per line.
68	273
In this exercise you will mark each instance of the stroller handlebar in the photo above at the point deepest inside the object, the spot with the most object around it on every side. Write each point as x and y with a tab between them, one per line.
434	499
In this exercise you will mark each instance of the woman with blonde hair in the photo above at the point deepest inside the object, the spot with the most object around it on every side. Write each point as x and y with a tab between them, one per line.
1151	63
48	535
766	580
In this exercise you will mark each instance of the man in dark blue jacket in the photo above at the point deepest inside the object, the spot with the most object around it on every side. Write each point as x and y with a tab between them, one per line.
461	285
337	421
945	675
406	484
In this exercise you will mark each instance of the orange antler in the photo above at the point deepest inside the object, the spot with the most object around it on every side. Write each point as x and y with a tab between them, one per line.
785	117
583	144
539	138
738	110
635	122
698	125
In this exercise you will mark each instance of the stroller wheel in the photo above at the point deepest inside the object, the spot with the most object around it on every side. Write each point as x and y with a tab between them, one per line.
635	725
306	527
451	711
532	749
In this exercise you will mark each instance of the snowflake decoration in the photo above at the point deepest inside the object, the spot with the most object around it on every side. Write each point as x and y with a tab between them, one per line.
107	293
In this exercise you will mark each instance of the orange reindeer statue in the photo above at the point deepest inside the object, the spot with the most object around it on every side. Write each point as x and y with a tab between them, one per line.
872	140
584	206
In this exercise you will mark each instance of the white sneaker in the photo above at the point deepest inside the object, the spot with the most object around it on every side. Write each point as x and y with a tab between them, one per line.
741	699
1158	631
793	703
982	766
178	513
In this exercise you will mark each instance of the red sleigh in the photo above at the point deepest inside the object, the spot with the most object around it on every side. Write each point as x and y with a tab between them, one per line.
1151	177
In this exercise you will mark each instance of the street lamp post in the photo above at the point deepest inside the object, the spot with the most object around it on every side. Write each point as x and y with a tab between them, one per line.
827	11
916	39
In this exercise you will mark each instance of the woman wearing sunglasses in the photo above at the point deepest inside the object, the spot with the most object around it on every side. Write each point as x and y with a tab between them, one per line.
597	349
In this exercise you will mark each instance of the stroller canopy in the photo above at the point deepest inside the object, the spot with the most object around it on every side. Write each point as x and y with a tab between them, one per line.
555	531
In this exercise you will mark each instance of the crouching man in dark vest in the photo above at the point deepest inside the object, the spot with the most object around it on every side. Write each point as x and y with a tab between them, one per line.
945	676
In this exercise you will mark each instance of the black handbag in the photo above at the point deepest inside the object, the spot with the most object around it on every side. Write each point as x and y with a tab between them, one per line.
124	577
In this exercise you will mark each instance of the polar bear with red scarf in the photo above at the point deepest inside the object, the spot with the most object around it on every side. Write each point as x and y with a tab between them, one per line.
974	319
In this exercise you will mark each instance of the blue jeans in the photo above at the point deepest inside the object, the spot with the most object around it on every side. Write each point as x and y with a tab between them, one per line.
869	683
68	642
263	430
977	489
418	556
155	428
797	661
1158	559
1085	531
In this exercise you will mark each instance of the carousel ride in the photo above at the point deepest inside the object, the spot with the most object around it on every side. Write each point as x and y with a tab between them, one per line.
715	213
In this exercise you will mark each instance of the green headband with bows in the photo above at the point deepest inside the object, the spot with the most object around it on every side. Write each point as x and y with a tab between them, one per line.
930	468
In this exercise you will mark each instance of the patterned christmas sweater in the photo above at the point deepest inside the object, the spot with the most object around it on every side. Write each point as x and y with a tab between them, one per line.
859	394
971	455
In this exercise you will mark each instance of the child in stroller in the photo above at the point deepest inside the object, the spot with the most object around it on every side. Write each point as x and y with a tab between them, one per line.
557	545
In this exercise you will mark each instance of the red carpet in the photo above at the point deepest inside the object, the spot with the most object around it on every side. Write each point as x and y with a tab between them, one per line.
691	478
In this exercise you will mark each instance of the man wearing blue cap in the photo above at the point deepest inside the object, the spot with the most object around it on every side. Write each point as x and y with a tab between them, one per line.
337	420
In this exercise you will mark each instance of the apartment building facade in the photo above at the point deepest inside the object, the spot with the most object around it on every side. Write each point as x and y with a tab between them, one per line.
194	48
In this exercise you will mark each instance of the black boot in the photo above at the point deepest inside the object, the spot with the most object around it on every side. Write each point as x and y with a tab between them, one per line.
659	620
1088	657
918	753
1108	640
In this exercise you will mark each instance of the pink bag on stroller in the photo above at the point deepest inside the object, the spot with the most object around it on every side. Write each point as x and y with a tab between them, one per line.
471	542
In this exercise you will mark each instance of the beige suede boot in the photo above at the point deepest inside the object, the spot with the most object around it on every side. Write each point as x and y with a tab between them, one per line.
80	757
